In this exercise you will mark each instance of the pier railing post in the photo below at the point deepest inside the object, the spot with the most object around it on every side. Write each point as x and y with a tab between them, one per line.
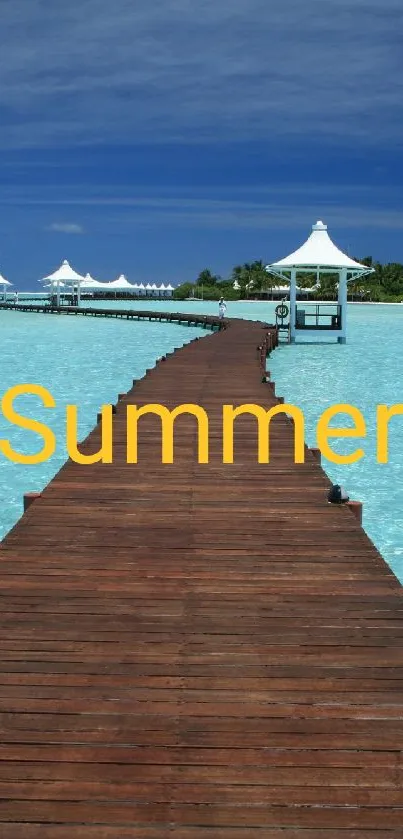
356	509
317	454
29	498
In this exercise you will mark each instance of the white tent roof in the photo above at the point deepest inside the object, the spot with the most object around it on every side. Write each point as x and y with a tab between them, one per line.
3	281
121	282
318	251
54	283
65	274
89	282
169	287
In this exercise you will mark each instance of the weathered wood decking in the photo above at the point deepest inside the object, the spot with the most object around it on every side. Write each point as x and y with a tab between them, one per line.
198	652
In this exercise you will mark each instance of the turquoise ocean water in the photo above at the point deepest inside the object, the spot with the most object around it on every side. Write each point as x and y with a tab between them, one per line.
81	361
88	362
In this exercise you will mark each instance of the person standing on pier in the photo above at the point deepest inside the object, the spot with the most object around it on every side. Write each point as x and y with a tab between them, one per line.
222	307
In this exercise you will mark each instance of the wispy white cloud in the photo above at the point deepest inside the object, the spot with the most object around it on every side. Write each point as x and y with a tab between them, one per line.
279	194
243	216
122	211
92	71
65	227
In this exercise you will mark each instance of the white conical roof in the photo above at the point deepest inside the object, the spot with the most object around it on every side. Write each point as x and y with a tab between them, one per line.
65	274
89	282
121	282
317	251
3	281
54	283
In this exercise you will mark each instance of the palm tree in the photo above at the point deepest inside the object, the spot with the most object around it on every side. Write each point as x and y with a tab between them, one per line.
261	280
242	274
252	276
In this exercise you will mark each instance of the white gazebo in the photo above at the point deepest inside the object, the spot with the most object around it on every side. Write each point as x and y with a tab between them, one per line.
319	255
4	285
54	284
89	282
65	276
120	282
89	285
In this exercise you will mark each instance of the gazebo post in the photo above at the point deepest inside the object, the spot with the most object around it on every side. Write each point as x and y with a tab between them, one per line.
342	301
293	303
4	285
58	293
78	293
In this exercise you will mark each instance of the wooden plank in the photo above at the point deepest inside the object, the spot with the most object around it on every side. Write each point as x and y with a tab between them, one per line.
198	650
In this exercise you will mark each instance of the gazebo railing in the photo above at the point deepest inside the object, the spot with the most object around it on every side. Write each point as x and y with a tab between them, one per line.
320	316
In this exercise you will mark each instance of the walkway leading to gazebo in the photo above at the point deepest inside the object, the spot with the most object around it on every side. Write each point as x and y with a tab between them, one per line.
199	651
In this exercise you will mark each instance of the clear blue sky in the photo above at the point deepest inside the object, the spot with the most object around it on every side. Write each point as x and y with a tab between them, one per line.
160	138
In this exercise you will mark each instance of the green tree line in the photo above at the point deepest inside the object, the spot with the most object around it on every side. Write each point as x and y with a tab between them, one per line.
251	280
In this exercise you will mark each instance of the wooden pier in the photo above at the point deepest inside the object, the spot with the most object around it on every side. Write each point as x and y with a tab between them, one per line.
206	321
199	651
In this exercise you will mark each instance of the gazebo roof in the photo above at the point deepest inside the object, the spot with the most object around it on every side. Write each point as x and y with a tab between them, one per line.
65	274
121	282
54	283
3	281
89	282
318	251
